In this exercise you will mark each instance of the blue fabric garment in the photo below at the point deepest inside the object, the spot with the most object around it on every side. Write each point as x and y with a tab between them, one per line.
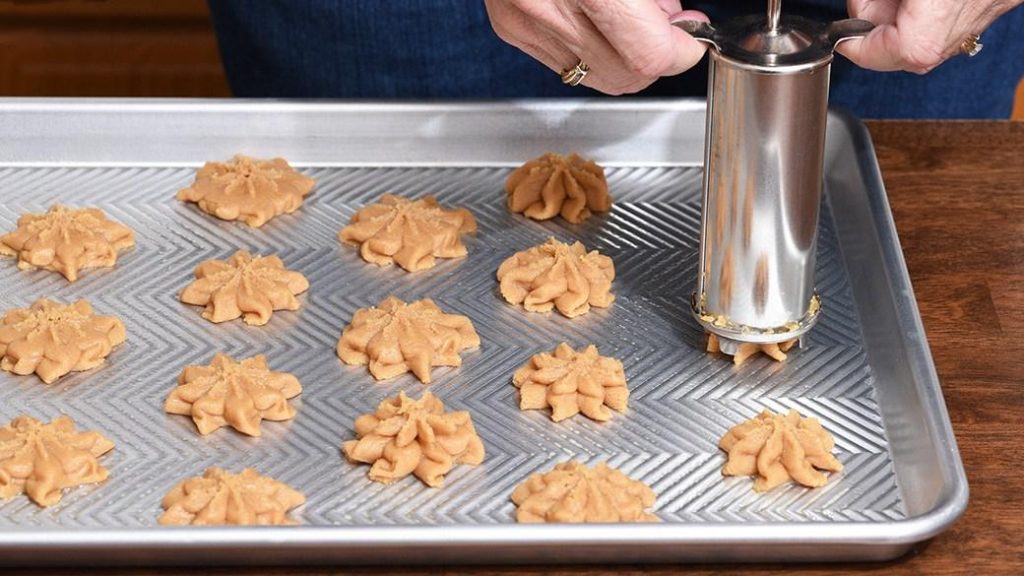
432	49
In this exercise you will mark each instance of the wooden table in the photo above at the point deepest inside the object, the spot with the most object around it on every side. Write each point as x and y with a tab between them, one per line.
957	192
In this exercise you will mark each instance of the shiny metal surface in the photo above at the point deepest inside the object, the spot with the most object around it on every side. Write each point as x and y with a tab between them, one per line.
762	193
764	145
865	369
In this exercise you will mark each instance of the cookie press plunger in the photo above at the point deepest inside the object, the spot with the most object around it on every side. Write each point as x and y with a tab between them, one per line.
763	163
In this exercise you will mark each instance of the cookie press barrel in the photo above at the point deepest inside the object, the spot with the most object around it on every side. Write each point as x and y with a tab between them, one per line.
763	162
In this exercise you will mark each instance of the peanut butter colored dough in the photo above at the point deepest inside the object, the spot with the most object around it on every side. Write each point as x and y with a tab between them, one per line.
52	339
406	436
66	240
42	460
554	184
395	337
237	394
776	351
557	275
218	498
410	233
778	449
247	189
246	286
571	382
573	493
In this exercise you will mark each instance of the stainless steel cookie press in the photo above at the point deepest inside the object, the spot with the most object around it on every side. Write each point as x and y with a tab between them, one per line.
763	162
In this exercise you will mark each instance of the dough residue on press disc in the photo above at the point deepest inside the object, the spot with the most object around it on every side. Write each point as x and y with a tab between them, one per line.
244	286
246	189
240	394
405	436
574	493
66	240
776	449
557	275
42	459
410	233
553	185
570	382
52	339
396	337
219	497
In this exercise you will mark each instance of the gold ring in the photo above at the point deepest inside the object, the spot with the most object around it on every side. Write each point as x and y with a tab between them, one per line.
573	76
971	46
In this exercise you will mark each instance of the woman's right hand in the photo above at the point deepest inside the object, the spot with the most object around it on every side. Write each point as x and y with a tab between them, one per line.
628	44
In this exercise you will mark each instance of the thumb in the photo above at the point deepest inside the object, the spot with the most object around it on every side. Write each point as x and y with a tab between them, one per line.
879	50
688	51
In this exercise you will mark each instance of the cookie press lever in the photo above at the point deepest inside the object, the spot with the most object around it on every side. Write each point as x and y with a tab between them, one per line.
763	153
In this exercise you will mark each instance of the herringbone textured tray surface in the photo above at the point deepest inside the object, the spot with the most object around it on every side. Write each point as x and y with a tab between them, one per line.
682	399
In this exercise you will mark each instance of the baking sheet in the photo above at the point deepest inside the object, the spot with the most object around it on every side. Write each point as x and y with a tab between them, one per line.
682	400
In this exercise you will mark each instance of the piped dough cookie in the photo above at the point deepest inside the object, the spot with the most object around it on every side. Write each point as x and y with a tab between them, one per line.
42	459
776	449
222	498
66	240
395	337
558	275
405	436
776	351
240	394
52	339
247	189
573	493
410	233
244	286
553	185
570	382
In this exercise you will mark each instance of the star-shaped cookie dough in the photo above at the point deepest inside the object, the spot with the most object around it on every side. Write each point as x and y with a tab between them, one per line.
247	189
244	286
777	449
222	498
53	339
66	240
237	394
42	459
571	382
406	436
573	493
553	185
395	337
560	276
410	233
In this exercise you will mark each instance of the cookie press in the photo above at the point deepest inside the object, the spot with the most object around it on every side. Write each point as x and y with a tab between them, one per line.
763	161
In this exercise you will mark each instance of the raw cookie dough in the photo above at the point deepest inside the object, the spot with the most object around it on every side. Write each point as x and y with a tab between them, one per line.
778	449
394	338
571	382
410	233
406	436
573	493
42	460
557	275
52	339
776	351
247	189
218	498
66	240
237	394
246	286
554	184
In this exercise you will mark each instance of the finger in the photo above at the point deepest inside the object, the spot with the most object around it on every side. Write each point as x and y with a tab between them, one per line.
670	6
641	34
876	11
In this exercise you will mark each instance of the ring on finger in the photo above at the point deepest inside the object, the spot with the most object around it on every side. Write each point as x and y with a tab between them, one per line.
971	46
573	76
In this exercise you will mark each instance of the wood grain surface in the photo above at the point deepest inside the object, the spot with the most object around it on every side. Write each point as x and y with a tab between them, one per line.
957	192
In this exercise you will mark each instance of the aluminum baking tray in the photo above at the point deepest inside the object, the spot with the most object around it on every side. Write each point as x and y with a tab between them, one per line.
865	370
